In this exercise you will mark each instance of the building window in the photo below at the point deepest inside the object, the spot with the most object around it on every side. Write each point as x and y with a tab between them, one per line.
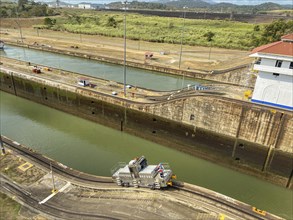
278	63
291	66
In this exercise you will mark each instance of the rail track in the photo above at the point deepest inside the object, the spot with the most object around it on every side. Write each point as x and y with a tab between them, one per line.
216	91
47	208
165	96
228	204
57	168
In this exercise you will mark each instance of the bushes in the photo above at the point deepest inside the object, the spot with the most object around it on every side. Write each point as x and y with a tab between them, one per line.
274	31
112	22
24	8
227	34
49	22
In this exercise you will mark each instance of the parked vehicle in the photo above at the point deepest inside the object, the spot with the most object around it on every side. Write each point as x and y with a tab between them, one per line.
36	69
83	82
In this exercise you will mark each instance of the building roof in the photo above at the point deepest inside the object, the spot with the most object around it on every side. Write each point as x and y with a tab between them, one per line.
283	48
288	37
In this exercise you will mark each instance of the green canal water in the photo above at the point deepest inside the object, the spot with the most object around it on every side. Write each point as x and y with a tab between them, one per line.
135	76
95	149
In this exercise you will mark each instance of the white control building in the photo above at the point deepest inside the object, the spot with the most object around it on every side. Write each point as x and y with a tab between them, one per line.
274	83
85	6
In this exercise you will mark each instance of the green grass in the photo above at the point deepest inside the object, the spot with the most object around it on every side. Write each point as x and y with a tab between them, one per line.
288	12
228	34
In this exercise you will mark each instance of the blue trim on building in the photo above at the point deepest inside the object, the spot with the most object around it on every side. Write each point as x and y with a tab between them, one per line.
273	104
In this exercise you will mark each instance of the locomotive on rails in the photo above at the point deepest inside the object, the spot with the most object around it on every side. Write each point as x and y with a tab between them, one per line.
137	173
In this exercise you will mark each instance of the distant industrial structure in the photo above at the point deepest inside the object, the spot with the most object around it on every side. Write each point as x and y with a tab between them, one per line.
82	5
274	63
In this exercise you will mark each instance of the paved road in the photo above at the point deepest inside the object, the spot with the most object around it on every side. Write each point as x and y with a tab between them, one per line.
107	88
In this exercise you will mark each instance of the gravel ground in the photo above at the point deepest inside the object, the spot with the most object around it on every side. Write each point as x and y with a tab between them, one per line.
193	57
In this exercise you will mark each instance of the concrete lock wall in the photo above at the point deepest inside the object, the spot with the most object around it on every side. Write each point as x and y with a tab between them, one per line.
253	139
254	124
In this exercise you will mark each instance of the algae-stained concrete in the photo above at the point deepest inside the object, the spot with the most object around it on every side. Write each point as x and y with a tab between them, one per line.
243	135
253	123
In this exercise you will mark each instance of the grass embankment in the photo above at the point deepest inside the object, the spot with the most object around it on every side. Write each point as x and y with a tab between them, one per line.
287	12
228	34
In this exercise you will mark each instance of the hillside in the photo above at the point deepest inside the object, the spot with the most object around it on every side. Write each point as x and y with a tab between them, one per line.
189	4
200	5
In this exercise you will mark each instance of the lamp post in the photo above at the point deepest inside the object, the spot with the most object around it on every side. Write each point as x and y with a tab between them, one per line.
139	41
181	45
53	181
20	31
17	22
182	35
124	68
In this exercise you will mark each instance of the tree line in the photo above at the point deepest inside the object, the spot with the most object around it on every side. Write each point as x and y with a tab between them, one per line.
201	6
271	32
25	8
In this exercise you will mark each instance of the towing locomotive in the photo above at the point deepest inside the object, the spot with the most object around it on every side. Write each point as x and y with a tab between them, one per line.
138	173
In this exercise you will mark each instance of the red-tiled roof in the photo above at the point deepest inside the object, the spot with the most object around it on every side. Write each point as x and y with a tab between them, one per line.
263	47
277	48
287	37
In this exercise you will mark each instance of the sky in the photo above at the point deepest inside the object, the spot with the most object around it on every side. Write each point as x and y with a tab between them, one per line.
238	2
255	2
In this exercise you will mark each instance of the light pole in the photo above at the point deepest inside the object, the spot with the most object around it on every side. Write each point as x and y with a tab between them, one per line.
20	31
17	22
139	41
124	69
53	181
182	35
181	45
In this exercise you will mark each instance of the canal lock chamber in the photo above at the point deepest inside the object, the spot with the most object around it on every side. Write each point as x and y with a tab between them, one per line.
245	156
